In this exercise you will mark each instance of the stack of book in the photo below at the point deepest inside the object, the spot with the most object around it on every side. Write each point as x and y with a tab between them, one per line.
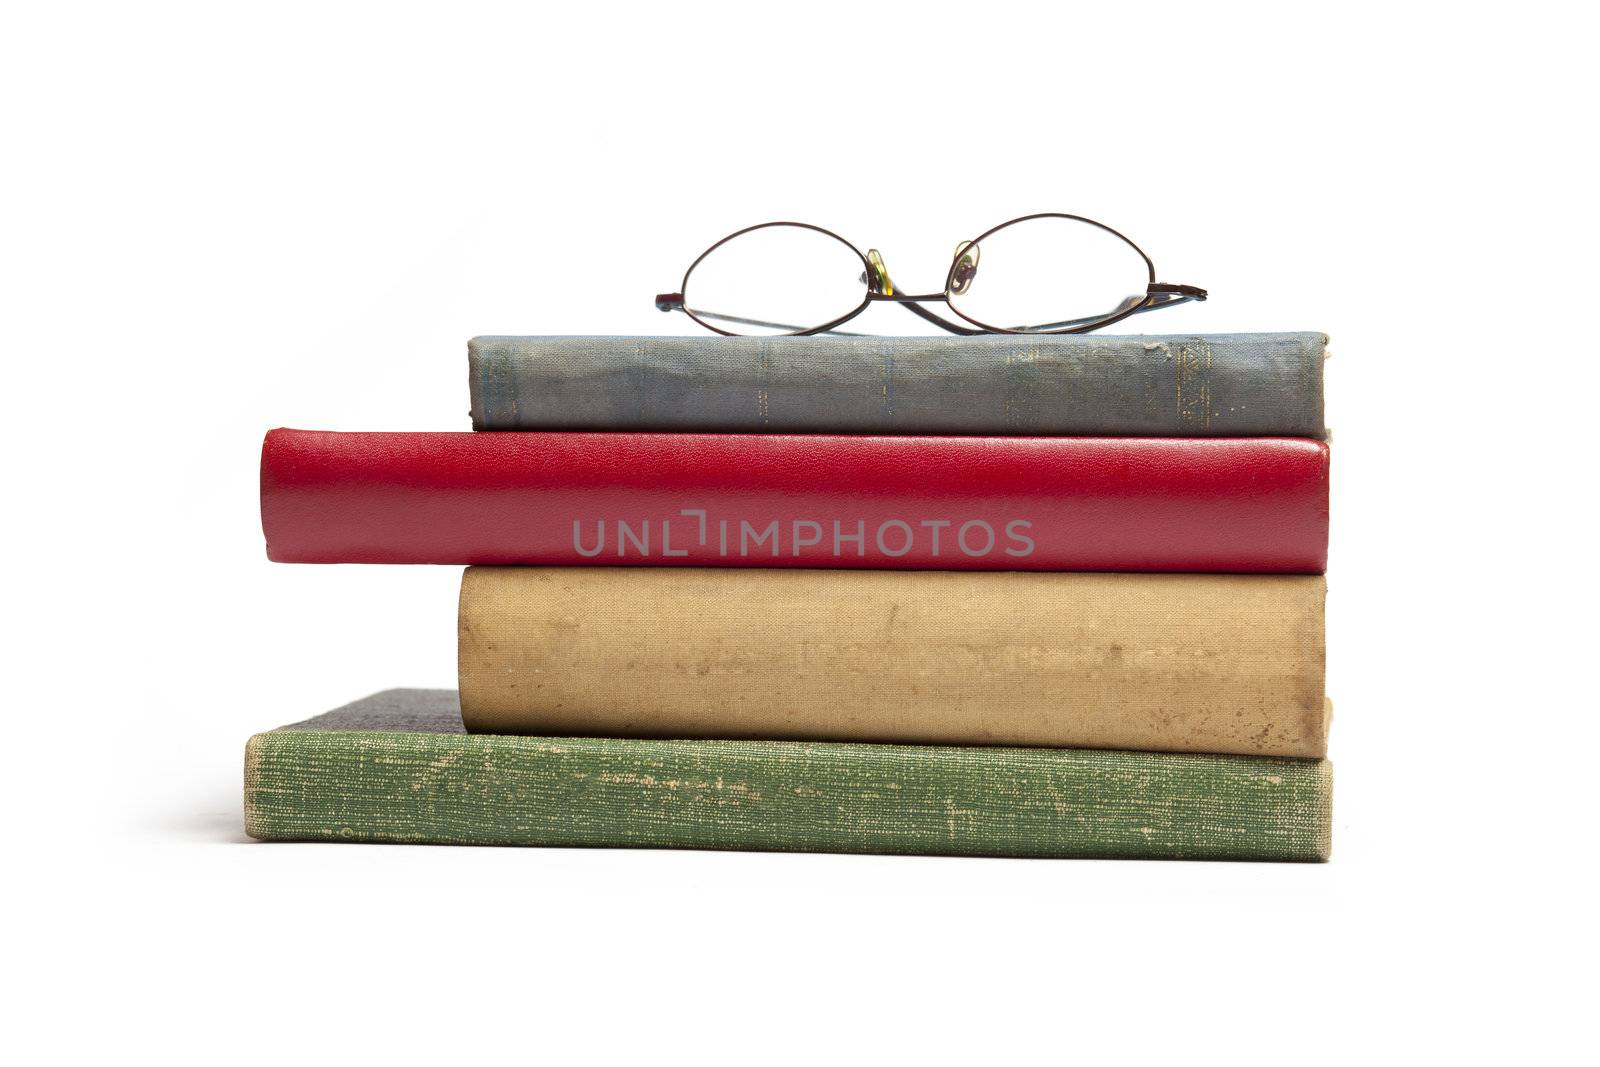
996	595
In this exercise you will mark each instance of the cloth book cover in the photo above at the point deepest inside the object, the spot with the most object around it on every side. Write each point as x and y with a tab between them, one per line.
1242	385
397	767
1239	505
1180	662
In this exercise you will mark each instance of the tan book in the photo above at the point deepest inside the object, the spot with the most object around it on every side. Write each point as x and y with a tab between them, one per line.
1156	662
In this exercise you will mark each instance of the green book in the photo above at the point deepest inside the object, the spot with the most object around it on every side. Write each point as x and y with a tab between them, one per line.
398	767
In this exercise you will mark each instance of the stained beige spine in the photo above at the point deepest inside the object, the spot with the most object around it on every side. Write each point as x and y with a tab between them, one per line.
1178	663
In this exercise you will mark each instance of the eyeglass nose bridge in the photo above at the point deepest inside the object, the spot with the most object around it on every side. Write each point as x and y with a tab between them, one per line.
962	272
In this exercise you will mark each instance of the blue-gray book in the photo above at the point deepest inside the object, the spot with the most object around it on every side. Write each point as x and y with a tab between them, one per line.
1223	385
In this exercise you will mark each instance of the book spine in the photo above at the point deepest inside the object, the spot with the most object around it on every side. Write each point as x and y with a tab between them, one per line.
1238	505
1194	663
306	785
1229	385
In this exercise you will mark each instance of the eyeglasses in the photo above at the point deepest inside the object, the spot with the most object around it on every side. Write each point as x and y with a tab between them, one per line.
1046	273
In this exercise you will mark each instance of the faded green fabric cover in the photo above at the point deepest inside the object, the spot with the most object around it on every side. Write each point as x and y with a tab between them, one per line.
1162	385
397	767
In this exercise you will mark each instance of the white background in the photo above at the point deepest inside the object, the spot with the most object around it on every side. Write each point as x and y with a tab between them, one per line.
219	220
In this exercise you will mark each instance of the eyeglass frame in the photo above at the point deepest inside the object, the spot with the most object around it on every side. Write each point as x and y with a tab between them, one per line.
880	288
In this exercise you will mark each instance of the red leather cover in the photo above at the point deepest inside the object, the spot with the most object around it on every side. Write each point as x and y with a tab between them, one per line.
758	500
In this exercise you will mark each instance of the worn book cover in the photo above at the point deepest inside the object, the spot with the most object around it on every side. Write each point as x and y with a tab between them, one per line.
396	767
1238	505
1180	663
1250	384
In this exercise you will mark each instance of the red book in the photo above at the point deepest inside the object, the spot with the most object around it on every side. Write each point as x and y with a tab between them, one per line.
774	500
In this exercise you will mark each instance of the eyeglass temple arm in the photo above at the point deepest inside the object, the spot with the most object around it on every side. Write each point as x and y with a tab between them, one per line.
674	302
950	327
1159	295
